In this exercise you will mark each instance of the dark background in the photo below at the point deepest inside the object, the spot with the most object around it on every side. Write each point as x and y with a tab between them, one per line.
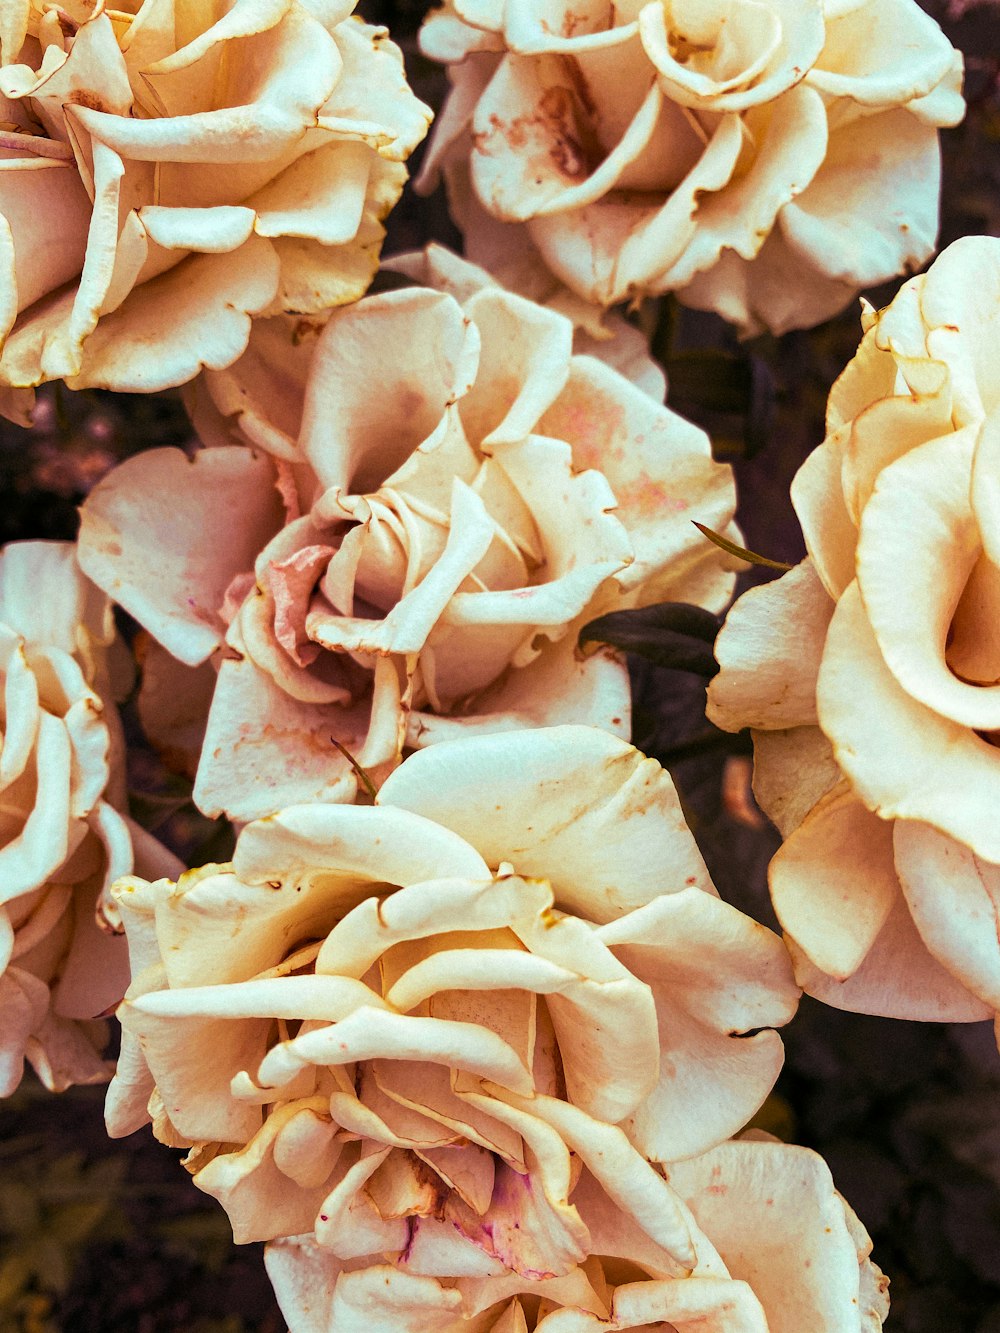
113	1238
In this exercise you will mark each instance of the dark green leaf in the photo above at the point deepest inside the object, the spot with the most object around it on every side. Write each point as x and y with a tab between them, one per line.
672	634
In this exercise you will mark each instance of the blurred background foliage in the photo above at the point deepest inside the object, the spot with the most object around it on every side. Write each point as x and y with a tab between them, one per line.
109	1237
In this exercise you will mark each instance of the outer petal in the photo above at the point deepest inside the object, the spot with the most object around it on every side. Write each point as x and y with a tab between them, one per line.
953	897
659	466
792	770
822	225
351	440
559	686
570	804
833	883
230	491
264	750
770	650
899	978
716	976
806	1272
132	350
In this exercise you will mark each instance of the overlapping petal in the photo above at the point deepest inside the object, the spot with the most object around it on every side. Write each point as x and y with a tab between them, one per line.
778	1250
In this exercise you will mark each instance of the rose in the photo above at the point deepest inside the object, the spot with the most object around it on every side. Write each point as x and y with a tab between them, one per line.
875	719
422	564
778	1251
739	153
171	175
399	1026
62	839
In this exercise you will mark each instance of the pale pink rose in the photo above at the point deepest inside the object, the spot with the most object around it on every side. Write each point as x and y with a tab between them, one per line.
419	562
871	671
762	159
62	836
777	1251
170	173
405	1028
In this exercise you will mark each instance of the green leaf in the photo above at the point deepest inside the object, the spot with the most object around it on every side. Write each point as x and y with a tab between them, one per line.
673	634
741	552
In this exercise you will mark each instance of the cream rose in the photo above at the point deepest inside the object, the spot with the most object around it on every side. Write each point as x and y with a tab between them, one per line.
422	564
62	838
762	158
870	672
778	1251
168	173
406	1027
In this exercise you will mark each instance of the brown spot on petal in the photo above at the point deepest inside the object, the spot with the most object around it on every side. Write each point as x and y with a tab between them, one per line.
567	151
85	97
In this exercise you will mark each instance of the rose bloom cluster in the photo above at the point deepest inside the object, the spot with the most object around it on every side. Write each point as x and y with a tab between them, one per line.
870	671
169	171
470	1051
63	834
463	1031
762	158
